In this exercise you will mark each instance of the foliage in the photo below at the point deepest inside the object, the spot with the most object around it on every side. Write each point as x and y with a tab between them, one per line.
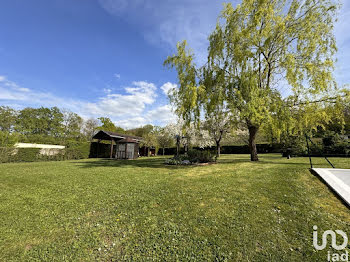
192	156
191	135
252	46
200	156
42	121
89	129
7	118
336	144
51	125
174	161
150	140
72	124
218	122
25	155
164	138
7	140
141	131
108	125
102	210
74	150
77	150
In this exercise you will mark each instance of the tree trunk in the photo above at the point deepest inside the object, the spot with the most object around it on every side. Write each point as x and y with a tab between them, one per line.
253	130
163	150
218	149
177	148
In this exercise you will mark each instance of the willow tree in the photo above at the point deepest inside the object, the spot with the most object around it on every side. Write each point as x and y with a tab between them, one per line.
253	47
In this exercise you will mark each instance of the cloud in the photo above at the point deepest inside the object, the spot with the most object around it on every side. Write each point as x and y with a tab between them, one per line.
128	109
168	87
107	90
132	103
164	23
9	86
162	114
117	76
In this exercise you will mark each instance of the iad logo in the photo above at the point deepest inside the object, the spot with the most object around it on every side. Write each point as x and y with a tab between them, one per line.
332	256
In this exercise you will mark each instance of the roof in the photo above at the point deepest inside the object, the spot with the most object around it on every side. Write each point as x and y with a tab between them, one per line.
128	140
30	145
107	135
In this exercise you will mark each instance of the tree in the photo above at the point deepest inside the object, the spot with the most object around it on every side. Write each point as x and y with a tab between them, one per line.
40	121
141	131
150	140
7	137
72	124
252	46
90	128
7	118
189	134
164	138
108	125
218	123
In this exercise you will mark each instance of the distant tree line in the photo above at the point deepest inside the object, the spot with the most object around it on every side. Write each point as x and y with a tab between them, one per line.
63	127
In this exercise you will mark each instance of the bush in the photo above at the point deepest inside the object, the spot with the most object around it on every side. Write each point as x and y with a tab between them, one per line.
173	161
6	154
72	151
25	155
336	145
200	156
77	150
294	146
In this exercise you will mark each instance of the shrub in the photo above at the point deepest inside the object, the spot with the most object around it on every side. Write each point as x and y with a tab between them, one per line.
77	150
294	146
74	151
173	161
25	155
6	154
336	145
7	140
200	156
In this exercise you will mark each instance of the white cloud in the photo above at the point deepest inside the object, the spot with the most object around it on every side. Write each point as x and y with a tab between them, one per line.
163	114
132	122
117	76
164	23
127	109
168	87
8	86
107	90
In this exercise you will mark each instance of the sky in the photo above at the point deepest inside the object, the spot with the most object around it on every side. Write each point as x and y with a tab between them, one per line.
105	57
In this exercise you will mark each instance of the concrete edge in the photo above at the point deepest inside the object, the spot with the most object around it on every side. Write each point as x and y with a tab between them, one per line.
336	184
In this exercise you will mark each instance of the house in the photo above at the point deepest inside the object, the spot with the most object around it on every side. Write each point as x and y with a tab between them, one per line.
121	146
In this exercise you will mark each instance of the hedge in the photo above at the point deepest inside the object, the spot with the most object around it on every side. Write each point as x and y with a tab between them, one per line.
241	149
76	151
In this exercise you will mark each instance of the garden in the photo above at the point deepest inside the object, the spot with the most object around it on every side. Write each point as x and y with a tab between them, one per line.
102	210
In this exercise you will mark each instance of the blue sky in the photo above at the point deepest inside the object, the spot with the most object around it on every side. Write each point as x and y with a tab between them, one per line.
105	57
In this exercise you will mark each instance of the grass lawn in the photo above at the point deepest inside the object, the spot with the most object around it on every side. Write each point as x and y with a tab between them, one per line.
107	210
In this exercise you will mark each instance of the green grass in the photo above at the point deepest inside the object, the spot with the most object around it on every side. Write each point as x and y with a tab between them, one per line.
107	210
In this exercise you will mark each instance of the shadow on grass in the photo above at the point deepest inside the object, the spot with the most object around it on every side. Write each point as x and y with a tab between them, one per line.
149	162
264	161
141	162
